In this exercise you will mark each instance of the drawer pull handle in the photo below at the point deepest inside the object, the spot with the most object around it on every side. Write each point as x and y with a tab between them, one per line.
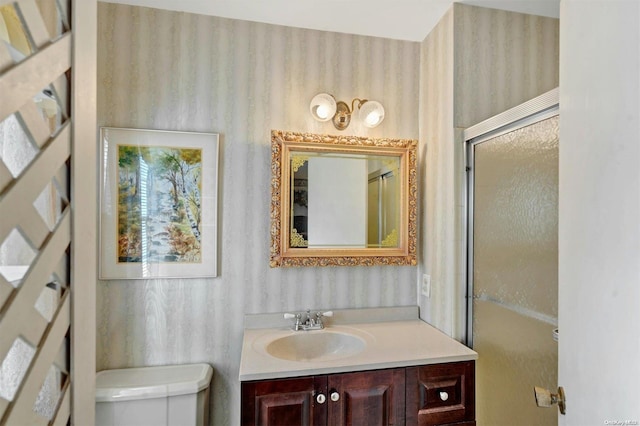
335	396
444	396
321	398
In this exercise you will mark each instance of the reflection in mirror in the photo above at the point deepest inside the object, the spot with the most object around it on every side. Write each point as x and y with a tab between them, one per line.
342	200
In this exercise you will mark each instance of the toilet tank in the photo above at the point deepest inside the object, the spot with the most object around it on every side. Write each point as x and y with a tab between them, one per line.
165	395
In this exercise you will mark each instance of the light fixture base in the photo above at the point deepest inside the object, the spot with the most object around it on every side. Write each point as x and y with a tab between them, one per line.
342	118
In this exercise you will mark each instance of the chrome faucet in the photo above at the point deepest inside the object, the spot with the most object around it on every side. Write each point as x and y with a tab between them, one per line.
310	322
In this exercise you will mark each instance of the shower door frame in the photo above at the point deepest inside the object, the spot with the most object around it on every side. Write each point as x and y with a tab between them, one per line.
535	110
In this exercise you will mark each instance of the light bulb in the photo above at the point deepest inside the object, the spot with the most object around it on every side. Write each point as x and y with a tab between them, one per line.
372	119
371	113
323	107
322	111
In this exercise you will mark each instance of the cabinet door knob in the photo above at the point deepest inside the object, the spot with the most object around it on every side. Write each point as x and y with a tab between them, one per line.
321	398
335	396
444	396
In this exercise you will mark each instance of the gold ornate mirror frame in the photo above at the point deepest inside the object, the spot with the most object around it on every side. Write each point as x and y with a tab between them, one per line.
283	255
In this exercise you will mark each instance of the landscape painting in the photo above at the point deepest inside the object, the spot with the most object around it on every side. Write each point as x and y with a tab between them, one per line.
158	204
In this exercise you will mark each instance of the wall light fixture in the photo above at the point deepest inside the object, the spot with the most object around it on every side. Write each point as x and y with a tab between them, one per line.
324	107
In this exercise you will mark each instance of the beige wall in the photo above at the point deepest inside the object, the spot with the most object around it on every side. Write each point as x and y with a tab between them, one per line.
437	177
476	63
502	59
175	71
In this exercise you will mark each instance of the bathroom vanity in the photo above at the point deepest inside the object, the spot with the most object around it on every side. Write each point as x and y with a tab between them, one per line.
368	366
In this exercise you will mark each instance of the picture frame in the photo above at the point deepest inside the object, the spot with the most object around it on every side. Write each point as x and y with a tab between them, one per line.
158	204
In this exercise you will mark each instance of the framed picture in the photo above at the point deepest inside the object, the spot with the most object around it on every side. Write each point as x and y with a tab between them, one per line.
158	204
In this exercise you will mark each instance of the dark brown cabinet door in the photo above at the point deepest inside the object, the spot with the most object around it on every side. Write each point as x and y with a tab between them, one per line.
431	395
368	398
285	402
441	394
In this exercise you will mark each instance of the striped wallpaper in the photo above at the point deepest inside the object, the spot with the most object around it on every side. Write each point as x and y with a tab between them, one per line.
437	143
177	71
502	59
475	63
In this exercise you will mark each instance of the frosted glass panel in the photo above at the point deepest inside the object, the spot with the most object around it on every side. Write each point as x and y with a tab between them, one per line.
515	272
516	353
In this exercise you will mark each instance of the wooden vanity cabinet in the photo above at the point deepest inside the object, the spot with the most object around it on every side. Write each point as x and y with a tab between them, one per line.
365	398
430	395
441	394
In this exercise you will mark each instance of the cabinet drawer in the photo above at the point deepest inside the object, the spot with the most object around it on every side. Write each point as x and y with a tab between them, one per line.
442	393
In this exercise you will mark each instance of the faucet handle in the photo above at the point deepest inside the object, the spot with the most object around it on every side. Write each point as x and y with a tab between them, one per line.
297	317
326	314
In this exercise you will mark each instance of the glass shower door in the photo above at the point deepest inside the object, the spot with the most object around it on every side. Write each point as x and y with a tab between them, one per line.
514	271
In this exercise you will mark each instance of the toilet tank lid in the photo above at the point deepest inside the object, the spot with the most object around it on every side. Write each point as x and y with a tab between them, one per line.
152	382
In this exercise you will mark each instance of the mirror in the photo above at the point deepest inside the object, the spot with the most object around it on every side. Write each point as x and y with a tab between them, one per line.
342	200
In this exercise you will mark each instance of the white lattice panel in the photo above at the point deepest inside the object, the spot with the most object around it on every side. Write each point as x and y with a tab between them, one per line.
34	205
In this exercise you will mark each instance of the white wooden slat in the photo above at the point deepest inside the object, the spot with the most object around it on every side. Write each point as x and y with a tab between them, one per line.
3	406
47	260
33	327
38	420
50	16
62	271
21	410
83	268
34	226
35	24
61	417
5	58
37	372
31	419
23	81
62	177
5	176
21	307
61	86
62	359
34	178
33	121
5	291
34	332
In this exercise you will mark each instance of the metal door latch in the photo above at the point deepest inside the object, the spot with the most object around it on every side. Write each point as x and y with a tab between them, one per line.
544	398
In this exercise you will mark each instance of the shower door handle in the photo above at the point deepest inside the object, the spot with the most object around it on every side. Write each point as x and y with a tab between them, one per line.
545	399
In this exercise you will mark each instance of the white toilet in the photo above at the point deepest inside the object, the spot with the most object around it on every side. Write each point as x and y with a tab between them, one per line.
150	396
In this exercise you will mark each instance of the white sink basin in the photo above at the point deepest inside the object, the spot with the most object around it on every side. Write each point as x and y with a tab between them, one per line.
313	346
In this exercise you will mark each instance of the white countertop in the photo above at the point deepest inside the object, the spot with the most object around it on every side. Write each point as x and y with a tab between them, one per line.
396	341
